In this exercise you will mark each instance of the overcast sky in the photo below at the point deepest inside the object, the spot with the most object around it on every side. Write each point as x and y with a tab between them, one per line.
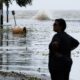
49	5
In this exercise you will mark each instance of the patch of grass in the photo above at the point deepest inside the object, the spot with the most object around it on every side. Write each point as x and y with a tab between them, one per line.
18	75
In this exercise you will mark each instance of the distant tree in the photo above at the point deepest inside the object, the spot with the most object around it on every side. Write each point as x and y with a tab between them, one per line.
23	2
7	2
19	2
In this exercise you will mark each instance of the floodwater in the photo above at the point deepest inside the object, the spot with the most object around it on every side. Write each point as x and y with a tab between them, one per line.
29	53
26	53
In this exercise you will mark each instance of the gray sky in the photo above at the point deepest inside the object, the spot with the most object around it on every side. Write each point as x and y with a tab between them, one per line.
49	5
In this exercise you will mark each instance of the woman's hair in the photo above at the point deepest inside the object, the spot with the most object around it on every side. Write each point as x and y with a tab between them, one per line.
62	23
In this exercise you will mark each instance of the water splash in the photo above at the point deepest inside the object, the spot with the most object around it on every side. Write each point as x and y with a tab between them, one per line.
42	15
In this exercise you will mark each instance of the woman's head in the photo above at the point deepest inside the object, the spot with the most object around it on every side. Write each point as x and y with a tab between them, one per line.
59	25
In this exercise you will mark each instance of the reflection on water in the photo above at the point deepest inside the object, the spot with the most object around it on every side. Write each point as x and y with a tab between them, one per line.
29	52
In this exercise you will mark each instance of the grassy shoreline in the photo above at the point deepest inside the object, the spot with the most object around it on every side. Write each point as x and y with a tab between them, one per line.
16	76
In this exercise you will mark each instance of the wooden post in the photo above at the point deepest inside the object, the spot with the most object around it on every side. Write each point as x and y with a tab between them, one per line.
1	14
7	12
1	22
13	13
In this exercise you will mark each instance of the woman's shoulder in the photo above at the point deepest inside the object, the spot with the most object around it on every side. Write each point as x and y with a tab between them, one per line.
56	37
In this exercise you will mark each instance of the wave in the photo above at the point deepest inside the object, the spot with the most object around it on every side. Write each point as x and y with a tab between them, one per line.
42	15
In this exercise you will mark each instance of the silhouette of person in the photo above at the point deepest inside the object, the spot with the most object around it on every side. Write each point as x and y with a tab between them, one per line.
60	48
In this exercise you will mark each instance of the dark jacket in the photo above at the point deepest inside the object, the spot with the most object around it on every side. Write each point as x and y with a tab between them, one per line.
66	45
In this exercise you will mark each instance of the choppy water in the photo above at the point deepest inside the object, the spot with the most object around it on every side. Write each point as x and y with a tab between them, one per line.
29	53
48	14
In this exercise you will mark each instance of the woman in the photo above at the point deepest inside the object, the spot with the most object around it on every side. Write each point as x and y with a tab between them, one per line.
60	48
